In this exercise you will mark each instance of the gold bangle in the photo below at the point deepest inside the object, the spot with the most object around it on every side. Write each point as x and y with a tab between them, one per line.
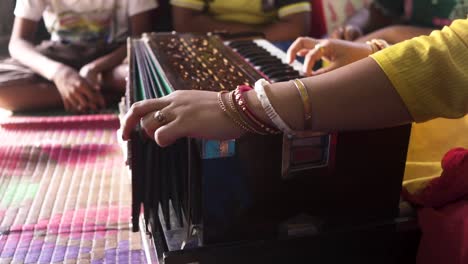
244	109
230	108
225	110
240	117
304	97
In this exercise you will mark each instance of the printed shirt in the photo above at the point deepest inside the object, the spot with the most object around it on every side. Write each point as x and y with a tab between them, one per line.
84	21
425	13
247	11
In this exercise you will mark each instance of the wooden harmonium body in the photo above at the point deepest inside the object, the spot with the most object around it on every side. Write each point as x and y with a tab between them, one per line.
198	194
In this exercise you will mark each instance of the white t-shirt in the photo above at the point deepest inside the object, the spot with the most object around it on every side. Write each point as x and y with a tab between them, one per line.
84	21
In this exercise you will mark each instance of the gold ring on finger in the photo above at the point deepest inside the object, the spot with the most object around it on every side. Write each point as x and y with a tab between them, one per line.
160	117
320	47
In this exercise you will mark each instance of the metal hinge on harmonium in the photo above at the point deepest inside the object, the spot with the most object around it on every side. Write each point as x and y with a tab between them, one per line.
304	151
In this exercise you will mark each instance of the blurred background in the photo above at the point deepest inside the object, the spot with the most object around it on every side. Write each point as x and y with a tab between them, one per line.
6	21
326	15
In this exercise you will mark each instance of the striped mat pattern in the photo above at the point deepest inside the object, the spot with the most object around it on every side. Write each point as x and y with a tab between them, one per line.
65	194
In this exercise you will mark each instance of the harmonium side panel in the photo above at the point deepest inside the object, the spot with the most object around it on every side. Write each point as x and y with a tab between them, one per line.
238	192
370	168
362	182
158	174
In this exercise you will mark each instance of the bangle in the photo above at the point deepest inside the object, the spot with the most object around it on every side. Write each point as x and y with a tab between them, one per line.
240	101
269	110
225	110
304	97
240	117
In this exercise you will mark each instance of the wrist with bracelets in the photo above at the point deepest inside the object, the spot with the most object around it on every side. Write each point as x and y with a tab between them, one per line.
229	113
305	99
253	128
269	110
241	103
237	110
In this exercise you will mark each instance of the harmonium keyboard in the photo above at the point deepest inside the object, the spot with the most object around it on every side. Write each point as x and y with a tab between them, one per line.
257	198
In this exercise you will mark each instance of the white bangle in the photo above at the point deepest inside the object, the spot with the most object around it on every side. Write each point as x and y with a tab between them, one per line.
269	110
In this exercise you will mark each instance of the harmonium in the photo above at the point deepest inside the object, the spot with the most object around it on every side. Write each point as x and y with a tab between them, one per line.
329	197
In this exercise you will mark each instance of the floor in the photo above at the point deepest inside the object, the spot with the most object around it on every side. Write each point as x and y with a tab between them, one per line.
65	194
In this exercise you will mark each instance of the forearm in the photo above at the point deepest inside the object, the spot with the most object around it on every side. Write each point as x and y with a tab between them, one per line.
109	61
358	96
395	34
139	23
25	52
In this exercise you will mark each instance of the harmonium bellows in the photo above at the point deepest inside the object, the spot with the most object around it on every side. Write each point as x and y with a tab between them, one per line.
206	198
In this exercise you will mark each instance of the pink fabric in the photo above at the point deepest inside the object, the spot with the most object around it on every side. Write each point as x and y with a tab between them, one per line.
443	213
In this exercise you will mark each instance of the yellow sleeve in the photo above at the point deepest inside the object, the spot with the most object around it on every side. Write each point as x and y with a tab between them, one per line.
294	9
431	72
190	4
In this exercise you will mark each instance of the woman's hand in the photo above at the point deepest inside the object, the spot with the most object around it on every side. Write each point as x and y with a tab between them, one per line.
75	91
183	113
337	52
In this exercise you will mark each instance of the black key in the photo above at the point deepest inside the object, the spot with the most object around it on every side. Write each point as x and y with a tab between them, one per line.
259	56
252	51
237	44
280	73
264	61
275	68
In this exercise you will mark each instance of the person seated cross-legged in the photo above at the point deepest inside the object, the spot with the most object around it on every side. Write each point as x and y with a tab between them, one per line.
81	67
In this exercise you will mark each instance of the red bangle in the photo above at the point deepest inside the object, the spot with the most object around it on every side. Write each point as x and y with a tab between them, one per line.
240	101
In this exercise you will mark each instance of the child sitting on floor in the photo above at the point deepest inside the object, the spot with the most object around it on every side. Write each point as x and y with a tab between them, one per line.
80	67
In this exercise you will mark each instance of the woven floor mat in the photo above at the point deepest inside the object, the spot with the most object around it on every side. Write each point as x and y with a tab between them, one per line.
65	195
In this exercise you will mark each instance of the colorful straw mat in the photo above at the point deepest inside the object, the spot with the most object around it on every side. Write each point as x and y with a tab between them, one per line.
65	193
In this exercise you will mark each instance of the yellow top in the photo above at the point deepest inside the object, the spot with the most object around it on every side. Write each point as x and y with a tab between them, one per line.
434	82
247	11
428	143
431	72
